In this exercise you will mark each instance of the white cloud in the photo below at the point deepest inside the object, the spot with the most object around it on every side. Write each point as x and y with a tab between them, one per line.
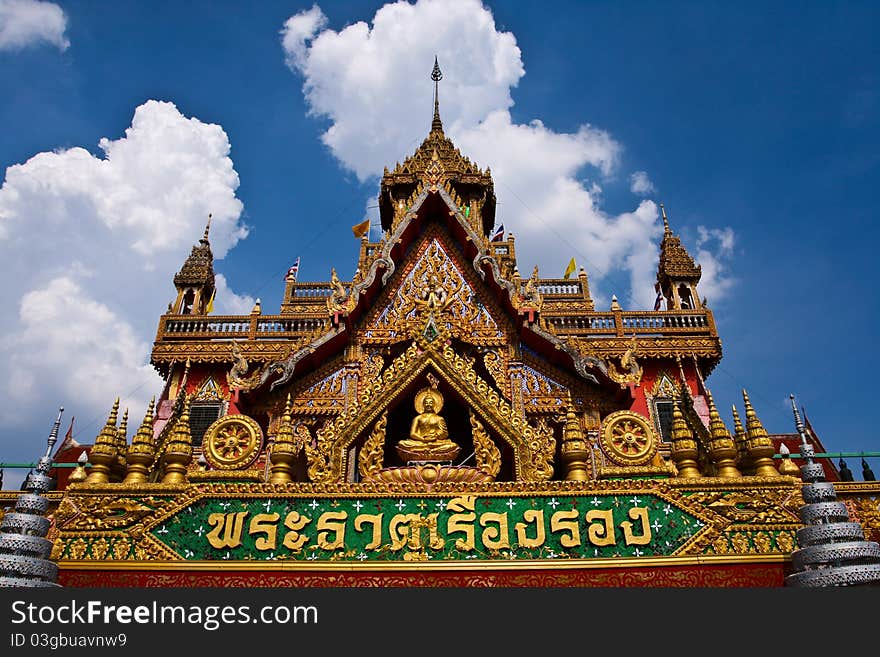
640	184
29	22
90	246
372	83
228	302
714	252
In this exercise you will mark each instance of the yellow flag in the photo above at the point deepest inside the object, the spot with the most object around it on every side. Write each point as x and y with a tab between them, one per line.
361	229
210	307
569	270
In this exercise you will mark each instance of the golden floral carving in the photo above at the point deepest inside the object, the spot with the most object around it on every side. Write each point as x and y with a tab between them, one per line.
487	454
370	457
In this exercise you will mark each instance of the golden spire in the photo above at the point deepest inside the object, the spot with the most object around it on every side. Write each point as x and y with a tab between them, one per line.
284	449
666	229
178	455
787	467
722	449
103	453
760	445
574	451
739	437
118	468
684	447
140	452
436	76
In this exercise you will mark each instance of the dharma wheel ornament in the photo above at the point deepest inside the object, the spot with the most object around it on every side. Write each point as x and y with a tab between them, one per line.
628	439
233	442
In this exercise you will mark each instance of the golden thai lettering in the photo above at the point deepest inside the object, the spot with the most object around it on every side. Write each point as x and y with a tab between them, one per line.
405	530
566	521
601	533
462	521
264	523
230	524
332	523
375	519
293	540
494	538
522	538
639	514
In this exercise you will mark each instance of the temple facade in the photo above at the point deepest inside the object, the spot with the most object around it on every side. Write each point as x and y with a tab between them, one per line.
441	419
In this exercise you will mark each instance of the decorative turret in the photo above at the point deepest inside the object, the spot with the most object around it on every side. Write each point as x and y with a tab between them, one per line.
284	450
195	280
787	467
117	471
833	551
104	452
574	450
684	451
141	450
741	438
437	161
179	452
760	446
722	449
24	548
677	273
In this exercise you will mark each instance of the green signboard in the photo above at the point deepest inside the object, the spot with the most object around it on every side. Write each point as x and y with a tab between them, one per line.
383	529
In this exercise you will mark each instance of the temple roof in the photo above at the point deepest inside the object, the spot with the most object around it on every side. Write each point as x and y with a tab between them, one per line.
199	266
675	261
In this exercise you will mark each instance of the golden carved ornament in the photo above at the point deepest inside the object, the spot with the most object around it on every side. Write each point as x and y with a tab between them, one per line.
631	373
487	454
370	457
628	439
233	442
497	367
237	377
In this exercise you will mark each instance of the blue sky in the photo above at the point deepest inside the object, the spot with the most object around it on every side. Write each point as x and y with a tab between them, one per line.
756	124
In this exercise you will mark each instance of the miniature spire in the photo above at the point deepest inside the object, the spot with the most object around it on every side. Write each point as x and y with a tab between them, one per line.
684	447
760	445
103	454
284	450
832	549
742	446
179	453
118	469
722	449
140	452
575	452
25	552
436	76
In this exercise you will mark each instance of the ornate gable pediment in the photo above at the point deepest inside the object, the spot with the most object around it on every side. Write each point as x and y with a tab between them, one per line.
533	448
432	293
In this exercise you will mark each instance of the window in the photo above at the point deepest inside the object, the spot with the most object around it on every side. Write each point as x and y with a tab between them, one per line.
201	416
663	410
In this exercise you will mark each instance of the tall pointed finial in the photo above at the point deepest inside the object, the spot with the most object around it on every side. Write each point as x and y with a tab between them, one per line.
802	431
204	240
46	461
665	220
436	76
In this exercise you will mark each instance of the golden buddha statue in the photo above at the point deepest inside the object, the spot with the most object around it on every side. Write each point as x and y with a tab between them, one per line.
428	436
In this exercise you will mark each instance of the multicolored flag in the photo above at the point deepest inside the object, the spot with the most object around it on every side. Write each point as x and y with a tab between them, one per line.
293	271
498	235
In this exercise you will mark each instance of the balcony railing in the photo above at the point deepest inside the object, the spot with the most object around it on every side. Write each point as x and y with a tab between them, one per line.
256	327
638	322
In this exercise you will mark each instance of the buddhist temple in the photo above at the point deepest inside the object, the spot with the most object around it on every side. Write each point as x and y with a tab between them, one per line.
443	420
